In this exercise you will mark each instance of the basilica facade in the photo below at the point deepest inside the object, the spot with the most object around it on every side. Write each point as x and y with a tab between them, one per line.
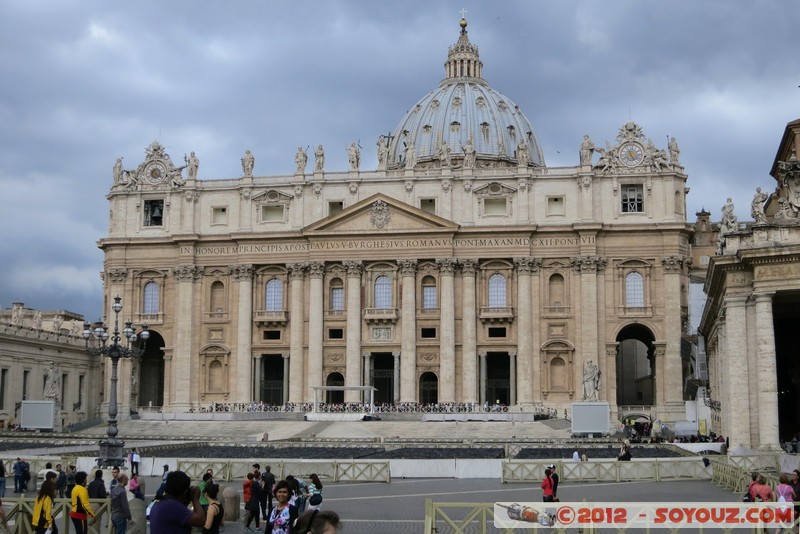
462	269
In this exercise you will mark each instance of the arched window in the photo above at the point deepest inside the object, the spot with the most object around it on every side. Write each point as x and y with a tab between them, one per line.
497	291
217	297
274	295
429	300
151	298
634	290
337	295
383	292
556	291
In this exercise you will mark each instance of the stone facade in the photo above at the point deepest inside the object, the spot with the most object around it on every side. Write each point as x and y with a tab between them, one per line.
471	274
35	345
750	318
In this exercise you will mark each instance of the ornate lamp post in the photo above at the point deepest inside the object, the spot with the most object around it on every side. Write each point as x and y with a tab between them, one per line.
111	448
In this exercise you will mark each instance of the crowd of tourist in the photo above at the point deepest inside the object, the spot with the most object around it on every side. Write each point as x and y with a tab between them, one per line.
357	407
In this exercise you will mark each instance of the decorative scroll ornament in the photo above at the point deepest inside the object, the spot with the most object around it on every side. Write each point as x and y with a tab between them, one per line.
156	172
633	152
380	214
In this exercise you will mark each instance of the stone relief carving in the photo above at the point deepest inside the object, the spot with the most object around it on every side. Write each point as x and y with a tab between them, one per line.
117	275
317	188
382	334
407	267
353	187
380	215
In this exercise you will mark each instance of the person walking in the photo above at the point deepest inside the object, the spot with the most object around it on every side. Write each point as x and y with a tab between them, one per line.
135	459
252	504
70	480
267	485
81	510
42	517
547	486
61	481
314	492
554	476
120	510
97	487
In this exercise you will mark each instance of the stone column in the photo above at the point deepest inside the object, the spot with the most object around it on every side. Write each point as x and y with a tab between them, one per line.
447	337
482	356
768	436
296	328
672	379
738	396
406	387
353	351
588	267
367	369
609	385
316	271
243	275
512	380
286	371
396	378
469	356
524	267
184	368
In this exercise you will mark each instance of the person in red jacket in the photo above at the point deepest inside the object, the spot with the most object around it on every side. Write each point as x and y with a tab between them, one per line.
547	486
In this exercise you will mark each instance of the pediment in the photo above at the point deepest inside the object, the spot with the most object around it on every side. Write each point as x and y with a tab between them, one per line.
271	196
494	189
381	214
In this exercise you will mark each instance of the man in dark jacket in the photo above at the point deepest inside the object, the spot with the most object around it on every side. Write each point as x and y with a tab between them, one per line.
97	488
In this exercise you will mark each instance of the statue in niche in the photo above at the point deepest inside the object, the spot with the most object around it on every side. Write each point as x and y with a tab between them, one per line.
383	152
118	171
523	154
301	160
319	158
674	152
443	153
192	164
248	162
354	156
757	206
469	154
591	381
587	150
37	320
52	383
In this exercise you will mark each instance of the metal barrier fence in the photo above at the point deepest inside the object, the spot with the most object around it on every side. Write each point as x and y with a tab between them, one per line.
20	511
608	470
333	470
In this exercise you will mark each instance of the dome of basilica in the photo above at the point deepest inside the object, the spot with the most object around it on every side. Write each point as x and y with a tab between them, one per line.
464	122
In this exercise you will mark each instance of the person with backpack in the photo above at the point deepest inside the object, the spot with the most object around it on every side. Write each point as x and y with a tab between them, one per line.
547	486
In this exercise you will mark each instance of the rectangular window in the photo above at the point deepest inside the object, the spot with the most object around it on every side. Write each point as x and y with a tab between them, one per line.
632	199
272	335
428	204
429	297
335	206
494	206
336	333
337	299
556	206
497	331
427	333
271	213
219	216
153	212
25	377
3	385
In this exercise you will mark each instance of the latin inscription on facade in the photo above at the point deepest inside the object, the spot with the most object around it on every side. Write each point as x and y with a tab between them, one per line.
373	244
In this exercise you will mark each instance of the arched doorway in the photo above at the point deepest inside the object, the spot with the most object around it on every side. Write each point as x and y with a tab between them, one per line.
334	397
151	374
428	388
636	367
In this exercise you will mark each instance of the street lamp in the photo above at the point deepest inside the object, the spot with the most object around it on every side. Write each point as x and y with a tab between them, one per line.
97	338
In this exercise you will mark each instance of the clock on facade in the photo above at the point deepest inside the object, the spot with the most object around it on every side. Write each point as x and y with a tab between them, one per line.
631	154
155	172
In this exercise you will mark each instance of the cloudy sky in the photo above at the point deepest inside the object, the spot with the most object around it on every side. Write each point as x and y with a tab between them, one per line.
84	82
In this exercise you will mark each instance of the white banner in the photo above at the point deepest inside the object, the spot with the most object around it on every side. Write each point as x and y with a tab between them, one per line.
644	514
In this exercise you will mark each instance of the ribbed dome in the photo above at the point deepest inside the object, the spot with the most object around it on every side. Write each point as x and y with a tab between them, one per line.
464	110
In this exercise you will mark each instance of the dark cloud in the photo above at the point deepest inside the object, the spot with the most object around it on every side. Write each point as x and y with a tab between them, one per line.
87	82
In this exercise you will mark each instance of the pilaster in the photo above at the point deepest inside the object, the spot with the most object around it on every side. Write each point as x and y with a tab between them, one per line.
469	371
243	275
406	387
316	271
296	327
353	350
447	340
184	377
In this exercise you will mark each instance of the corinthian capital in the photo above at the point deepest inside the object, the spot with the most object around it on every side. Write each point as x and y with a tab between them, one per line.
527	265
297	270
187	273
675	264
241	273
117	275
468	266
446	265
316	269
589	264
407	267
354	267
